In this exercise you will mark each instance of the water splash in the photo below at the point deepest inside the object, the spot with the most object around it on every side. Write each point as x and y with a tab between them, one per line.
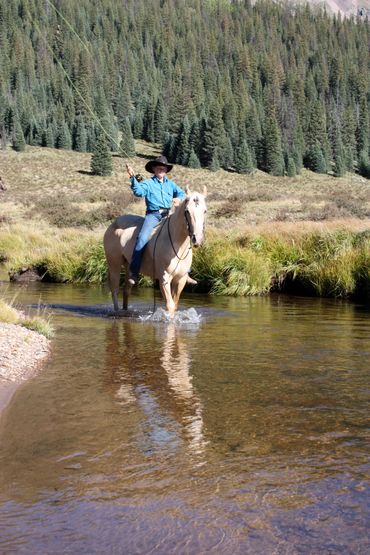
189	316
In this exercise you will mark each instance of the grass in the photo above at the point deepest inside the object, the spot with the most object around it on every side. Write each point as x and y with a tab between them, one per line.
56	186
40	322
307	234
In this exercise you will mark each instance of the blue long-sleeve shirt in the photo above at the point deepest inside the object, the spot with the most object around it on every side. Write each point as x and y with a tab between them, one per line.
157	194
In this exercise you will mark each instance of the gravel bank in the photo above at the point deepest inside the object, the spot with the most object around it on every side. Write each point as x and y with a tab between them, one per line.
21	351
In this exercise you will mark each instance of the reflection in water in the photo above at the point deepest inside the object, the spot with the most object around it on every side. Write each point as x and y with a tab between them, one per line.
164	392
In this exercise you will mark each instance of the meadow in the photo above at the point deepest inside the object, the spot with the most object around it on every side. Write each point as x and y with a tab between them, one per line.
307	234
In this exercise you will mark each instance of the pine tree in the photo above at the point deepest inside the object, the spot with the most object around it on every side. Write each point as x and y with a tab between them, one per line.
159	121
291	170
124	105
363	129
183	146
48	139
101	160
339	168
364	164
64	139
193	160
297	158
227	158
315	159
214	166
213	139
349	138
127	145
138	124
243	159
148	123
273	153
19	144
80	135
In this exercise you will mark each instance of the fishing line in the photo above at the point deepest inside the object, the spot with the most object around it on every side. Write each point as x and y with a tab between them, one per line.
69	25
87	106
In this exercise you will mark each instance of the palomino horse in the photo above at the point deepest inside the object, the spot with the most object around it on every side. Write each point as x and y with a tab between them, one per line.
167	256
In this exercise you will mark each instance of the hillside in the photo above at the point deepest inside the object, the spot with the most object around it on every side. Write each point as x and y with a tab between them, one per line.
345	7
217	84
49	187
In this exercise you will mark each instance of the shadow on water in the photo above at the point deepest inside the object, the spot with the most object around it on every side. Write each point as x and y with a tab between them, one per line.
140	312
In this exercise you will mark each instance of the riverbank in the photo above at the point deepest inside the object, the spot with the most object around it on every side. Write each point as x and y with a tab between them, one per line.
309	234
21	353
326	259
24	344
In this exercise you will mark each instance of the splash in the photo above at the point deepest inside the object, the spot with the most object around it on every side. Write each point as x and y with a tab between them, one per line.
189	316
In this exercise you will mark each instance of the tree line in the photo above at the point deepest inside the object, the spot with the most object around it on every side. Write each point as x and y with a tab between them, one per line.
218	83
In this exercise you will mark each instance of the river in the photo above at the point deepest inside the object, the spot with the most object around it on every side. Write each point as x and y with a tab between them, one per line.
246	432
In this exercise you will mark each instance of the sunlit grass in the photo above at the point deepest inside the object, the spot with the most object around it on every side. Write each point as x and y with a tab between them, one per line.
8	314
39	322
324	262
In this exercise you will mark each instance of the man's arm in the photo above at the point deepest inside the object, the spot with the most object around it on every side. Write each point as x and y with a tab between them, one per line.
139	188
177	191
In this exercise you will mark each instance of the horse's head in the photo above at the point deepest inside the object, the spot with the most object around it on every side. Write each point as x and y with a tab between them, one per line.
195	212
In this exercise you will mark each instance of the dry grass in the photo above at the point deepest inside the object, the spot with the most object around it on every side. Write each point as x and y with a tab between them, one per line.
56	186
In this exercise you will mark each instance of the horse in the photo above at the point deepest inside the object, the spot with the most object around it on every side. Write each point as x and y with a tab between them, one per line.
168	254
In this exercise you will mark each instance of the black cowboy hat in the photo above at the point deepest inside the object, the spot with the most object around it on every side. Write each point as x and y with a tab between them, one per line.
160	161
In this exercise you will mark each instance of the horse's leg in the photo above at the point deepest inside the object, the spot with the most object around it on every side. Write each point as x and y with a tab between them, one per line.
177	287
126	287
113	282
165	288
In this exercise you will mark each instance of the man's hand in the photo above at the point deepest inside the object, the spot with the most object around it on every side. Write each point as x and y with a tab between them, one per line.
130	171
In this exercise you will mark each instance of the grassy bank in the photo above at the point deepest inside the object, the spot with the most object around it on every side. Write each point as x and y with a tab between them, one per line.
308	234
38	322
329	261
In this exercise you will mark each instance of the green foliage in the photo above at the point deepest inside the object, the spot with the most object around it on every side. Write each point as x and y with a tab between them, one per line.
127	144
214	63
291	170
80	135
273	154
315	159
364	164
101	160
193	160
335	264
19	144
243	159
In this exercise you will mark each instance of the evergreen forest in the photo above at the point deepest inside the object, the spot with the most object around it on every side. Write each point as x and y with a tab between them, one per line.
217	83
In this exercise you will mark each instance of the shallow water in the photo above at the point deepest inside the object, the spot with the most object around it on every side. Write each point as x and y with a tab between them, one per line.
244	430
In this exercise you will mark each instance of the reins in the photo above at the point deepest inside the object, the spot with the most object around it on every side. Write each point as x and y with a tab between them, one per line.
180	258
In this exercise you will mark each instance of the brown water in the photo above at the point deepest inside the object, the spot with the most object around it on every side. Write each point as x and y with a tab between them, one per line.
245	434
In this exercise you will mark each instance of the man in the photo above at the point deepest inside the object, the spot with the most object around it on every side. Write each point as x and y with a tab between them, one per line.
159	192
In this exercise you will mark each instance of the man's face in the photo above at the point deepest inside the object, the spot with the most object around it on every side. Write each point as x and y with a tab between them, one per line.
160	171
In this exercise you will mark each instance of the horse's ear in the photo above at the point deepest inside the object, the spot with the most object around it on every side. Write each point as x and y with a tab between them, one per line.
204	191
187	190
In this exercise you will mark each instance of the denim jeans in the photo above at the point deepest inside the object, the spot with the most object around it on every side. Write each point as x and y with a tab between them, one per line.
151	220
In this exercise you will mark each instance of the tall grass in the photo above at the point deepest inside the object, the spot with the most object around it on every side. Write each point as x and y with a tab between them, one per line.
320	262
39	322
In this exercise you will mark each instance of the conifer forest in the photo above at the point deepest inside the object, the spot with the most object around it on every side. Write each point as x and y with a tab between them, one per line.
216	83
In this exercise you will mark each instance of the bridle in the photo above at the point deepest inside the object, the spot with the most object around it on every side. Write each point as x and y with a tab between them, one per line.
190	229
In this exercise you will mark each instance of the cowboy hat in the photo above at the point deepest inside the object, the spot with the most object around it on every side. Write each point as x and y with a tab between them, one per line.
160	161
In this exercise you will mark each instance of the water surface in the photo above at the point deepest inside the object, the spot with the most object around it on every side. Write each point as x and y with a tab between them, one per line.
244	433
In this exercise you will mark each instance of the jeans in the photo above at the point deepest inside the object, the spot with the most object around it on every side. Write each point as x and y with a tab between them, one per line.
150	222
